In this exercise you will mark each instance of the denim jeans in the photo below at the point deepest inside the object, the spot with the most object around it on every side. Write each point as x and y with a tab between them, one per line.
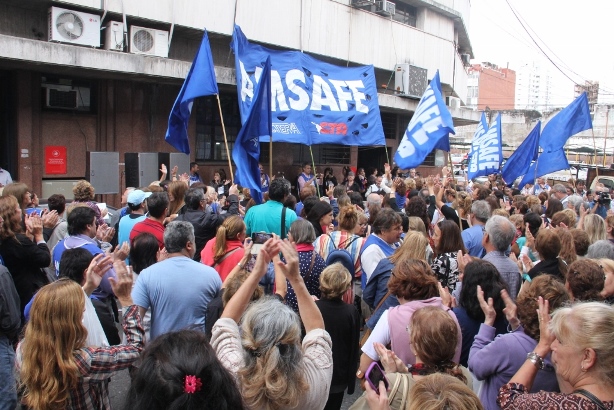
8	391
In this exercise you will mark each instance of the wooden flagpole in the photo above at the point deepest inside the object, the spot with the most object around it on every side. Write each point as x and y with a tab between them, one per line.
595	154
270	156
219	106
313	164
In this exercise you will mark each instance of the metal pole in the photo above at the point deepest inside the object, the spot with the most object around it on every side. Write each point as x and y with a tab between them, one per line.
219	106
605	137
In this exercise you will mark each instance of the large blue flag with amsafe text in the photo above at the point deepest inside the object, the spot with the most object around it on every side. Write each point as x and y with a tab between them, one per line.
519	162
199	82
312	102
246	150
487	152
429	128
479	131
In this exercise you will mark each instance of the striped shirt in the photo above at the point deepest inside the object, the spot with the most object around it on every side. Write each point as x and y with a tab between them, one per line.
325	244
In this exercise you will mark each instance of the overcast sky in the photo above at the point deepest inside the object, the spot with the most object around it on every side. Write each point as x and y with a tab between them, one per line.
576	35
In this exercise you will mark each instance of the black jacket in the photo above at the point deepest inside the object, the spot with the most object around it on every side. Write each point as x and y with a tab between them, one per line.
10	315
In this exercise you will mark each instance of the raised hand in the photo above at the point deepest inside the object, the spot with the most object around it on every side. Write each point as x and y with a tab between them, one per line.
121	252
50	218
510	310
95	271
487	307
389	359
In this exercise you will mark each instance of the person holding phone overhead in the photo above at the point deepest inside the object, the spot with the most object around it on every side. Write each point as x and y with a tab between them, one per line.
433	337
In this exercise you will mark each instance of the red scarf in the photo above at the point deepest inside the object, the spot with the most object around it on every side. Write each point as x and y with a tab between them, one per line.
304	247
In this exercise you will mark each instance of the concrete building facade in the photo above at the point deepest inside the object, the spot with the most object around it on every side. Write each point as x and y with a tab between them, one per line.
123	97
533	87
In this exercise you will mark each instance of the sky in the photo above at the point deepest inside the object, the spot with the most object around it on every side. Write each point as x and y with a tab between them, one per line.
575	34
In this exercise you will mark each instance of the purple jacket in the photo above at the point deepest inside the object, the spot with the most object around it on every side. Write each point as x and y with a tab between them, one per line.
496	359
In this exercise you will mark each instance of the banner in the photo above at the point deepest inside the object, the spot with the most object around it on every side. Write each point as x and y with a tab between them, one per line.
480	130
199	82
519	162
246	149
429	128
312	102
574	118
487	152
546	163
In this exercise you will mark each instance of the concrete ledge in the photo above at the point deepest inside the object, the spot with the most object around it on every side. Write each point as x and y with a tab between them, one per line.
66	55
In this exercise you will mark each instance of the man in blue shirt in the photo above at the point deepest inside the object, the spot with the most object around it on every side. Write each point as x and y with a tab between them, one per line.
177	289
194	175
472	237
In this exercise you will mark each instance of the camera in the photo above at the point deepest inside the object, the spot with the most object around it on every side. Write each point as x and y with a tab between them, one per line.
604	198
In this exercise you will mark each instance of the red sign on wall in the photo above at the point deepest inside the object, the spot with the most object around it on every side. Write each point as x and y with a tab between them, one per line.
55	159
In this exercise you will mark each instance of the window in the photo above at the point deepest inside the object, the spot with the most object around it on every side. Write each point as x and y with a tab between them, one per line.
406	14
209	135
322	153
389	124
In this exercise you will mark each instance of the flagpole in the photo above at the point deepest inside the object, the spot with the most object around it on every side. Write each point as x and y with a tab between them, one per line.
219	106
595	154
387	157
313	164
605	137
270	156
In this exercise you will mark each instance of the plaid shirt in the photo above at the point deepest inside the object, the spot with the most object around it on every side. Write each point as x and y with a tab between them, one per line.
97	364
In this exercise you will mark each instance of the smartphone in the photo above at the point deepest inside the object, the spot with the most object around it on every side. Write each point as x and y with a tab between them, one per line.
374	375
259	238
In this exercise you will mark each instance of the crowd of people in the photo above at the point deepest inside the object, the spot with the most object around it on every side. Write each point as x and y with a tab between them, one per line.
468	295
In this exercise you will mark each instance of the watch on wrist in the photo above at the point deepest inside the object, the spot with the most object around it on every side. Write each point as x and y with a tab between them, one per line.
536	360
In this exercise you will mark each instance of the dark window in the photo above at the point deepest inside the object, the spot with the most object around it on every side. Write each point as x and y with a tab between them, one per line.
209	135
322	154
406	14
389	124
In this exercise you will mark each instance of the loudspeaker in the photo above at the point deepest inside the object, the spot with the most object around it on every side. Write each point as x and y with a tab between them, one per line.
102	170
141	168
175	158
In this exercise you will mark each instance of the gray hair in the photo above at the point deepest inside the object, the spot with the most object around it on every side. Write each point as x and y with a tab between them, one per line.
302	231
576	201
601	249
374	199
481	210
500	231
177	234
559	188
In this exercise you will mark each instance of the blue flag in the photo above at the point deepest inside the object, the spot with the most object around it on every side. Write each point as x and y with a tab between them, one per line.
571	120
199	82
518	163
487	152
246	150
312	102
430	124
479	131
546	163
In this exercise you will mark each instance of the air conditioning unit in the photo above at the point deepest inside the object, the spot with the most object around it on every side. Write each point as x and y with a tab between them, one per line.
385	7
410	81
74	27
114	36
363	3
466	59
67	97
453	102
148	41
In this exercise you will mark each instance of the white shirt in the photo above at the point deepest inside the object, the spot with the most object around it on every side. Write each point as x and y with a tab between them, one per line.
5	177
374	189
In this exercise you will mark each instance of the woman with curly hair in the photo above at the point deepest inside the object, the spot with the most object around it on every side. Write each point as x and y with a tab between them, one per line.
496	360
83	192
417	207
264	354
585	281
56	369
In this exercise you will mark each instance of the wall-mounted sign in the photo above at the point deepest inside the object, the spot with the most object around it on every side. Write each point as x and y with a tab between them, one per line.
55	159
